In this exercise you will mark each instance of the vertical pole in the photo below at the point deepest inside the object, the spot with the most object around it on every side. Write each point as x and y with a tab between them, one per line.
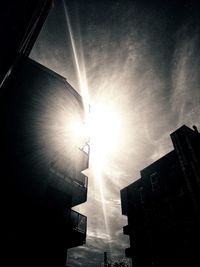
105	259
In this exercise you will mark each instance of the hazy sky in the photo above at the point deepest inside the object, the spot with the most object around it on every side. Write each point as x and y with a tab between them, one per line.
142	58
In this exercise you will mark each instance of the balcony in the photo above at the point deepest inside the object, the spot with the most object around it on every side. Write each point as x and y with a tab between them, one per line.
83	159
124	202
78	222
126	230
76	228
73	190
128	252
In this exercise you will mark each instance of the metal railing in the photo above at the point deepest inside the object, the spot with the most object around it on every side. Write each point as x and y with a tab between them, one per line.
77	221
81	180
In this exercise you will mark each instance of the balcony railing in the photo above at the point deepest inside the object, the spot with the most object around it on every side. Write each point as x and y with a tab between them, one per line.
128	252
124	201
77	221
126	230
81	180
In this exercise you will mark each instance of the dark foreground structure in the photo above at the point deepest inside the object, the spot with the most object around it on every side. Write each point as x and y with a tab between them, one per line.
42	152
42	160
20	24
163	207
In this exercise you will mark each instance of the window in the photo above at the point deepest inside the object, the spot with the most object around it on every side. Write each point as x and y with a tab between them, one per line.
154	181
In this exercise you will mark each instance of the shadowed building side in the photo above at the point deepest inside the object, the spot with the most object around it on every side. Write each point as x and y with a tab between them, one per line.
42	160
163	206
41	153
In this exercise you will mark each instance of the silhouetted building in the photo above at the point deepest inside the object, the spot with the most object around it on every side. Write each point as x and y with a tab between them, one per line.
42	159
163	207
42	155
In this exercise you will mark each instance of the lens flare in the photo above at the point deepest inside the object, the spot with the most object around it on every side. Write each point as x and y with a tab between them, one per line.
103	127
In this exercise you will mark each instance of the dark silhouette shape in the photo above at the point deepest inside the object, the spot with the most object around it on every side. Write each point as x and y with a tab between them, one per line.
163	207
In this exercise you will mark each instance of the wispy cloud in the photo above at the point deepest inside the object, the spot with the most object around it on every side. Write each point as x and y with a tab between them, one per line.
137	61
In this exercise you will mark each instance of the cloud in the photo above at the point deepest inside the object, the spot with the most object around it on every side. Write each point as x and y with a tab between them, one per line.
146	66
186	67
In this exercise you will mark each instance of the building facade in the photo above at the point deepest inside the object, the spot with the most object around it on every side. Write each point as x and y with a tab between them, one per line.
42	164
42	147
163	206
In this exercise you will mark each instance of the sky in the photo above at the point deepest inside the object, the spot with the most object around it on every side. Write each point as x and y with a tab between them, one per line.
141	61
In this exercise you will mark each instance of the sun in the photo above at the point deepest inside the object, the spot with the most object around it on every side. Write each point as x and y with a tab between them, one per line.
103	127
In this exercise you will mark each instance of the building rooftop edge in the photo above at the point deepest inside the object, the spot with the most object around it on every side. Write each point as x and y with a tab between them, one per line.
57	75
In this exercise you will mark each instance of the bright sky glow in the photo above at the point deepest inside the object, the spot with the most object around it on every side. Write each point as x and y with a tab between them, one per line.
103	128
102	123
129	109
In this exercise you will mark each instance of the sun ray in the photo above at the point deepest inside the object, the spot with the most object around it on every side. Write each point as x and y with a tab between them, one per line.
81	73
102	125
